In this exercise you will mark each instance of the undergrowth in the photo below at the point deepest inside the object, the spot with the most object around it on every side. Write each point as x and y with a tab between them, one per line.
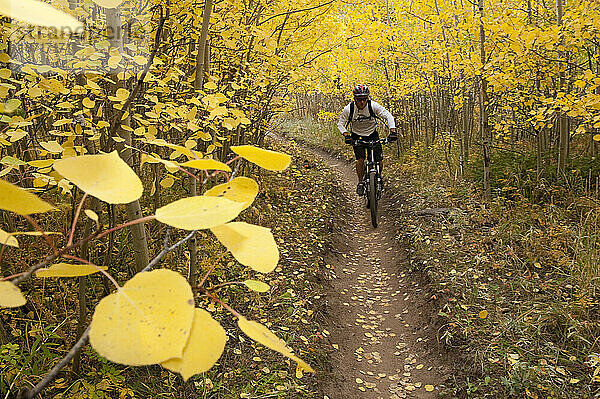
515	281
296	204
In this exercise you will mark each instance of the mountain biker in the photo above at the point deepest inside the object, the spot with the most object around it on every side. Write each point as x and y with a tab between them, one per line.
364	114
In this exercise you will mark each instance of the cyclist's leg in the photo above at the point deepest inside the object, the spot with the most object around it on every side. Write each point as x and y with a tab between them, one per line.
359	155
360	168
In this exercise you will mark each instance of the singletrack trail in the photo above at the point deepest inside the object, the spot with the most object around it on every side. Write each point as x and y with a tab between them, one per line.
377	311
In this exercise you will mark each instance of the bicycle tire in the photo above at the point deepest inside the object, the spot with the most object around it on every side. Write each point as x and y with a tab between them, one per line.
373	197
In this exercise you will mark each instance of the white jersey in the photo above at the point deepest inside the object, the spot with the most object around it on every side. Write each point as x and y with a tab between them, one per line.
362	123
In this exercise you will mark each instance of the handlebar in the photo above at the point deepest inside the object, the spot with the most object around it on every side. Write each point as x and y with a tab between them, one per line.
370	143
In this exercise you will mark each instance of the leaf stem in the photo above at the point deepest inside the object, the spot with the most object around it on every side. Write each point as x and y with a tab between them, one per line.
214	264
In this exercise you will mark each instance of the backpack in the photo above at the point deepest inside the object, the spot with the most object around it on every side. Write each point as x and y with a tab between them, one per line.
371	113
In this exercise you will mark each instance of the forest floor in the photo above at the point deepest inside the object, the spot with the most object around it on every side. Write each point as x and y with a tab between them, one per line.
378	312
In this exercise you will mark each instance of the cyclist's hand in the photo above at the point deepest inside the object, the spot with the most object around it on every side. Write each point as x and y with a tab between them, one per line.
392	137
347	139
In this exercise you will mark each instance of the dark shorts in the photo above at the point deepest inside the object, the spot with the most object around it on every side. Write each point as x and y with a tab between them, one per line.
361	152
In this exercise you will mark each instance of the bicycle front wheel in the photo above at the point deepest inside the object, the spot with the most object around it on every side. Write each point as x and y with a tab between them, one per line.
373	197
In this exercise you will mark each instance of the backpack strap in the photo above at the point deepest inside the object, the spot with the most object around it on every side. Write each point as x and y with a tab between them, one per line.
371	112
351	114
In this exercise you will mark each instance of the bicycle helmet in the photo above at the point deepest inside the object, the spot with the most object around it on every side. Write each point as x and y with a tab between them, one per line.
361	91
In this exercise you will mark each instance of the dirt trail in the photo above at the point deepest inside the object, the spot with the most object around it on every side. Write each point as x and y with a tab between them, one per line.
383	346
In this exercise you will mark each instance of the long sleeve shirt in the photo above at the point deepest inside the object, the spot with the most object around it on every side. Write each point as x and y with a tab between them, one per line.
362	123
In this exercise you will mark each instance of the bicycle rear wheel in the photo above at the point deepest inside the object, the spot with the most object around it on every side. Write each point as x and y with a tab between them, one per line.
372	195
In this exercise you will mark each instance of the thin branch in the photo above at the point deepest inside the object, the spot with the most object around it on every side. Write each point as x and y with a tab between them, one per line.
70	241
140	82
214	298
38	228
130	223
166	250
294	12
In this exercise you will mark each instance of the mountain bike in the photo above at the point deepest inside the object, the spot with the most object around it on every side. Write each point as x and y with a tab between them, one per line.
372	177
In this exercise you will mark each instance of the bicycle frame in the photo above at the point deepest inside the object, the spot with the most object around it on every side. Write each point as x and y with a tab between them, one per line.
371	176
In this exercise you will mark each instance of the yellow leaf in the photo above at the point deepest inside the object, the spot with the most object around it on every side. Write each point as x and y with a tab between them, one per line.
140	60
574	380
263	335
210	86
240	189
147	321
88	103
122	94
267	159
8	239
429	388
257	286
204	347
597	137
51	146
91	214
195	213
113	62
10	295
167	182
39	13
17	200
16	136
251	245
68	270
34	233
5	73
483	314
11	105
41	163
105	176
206	164
62	122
